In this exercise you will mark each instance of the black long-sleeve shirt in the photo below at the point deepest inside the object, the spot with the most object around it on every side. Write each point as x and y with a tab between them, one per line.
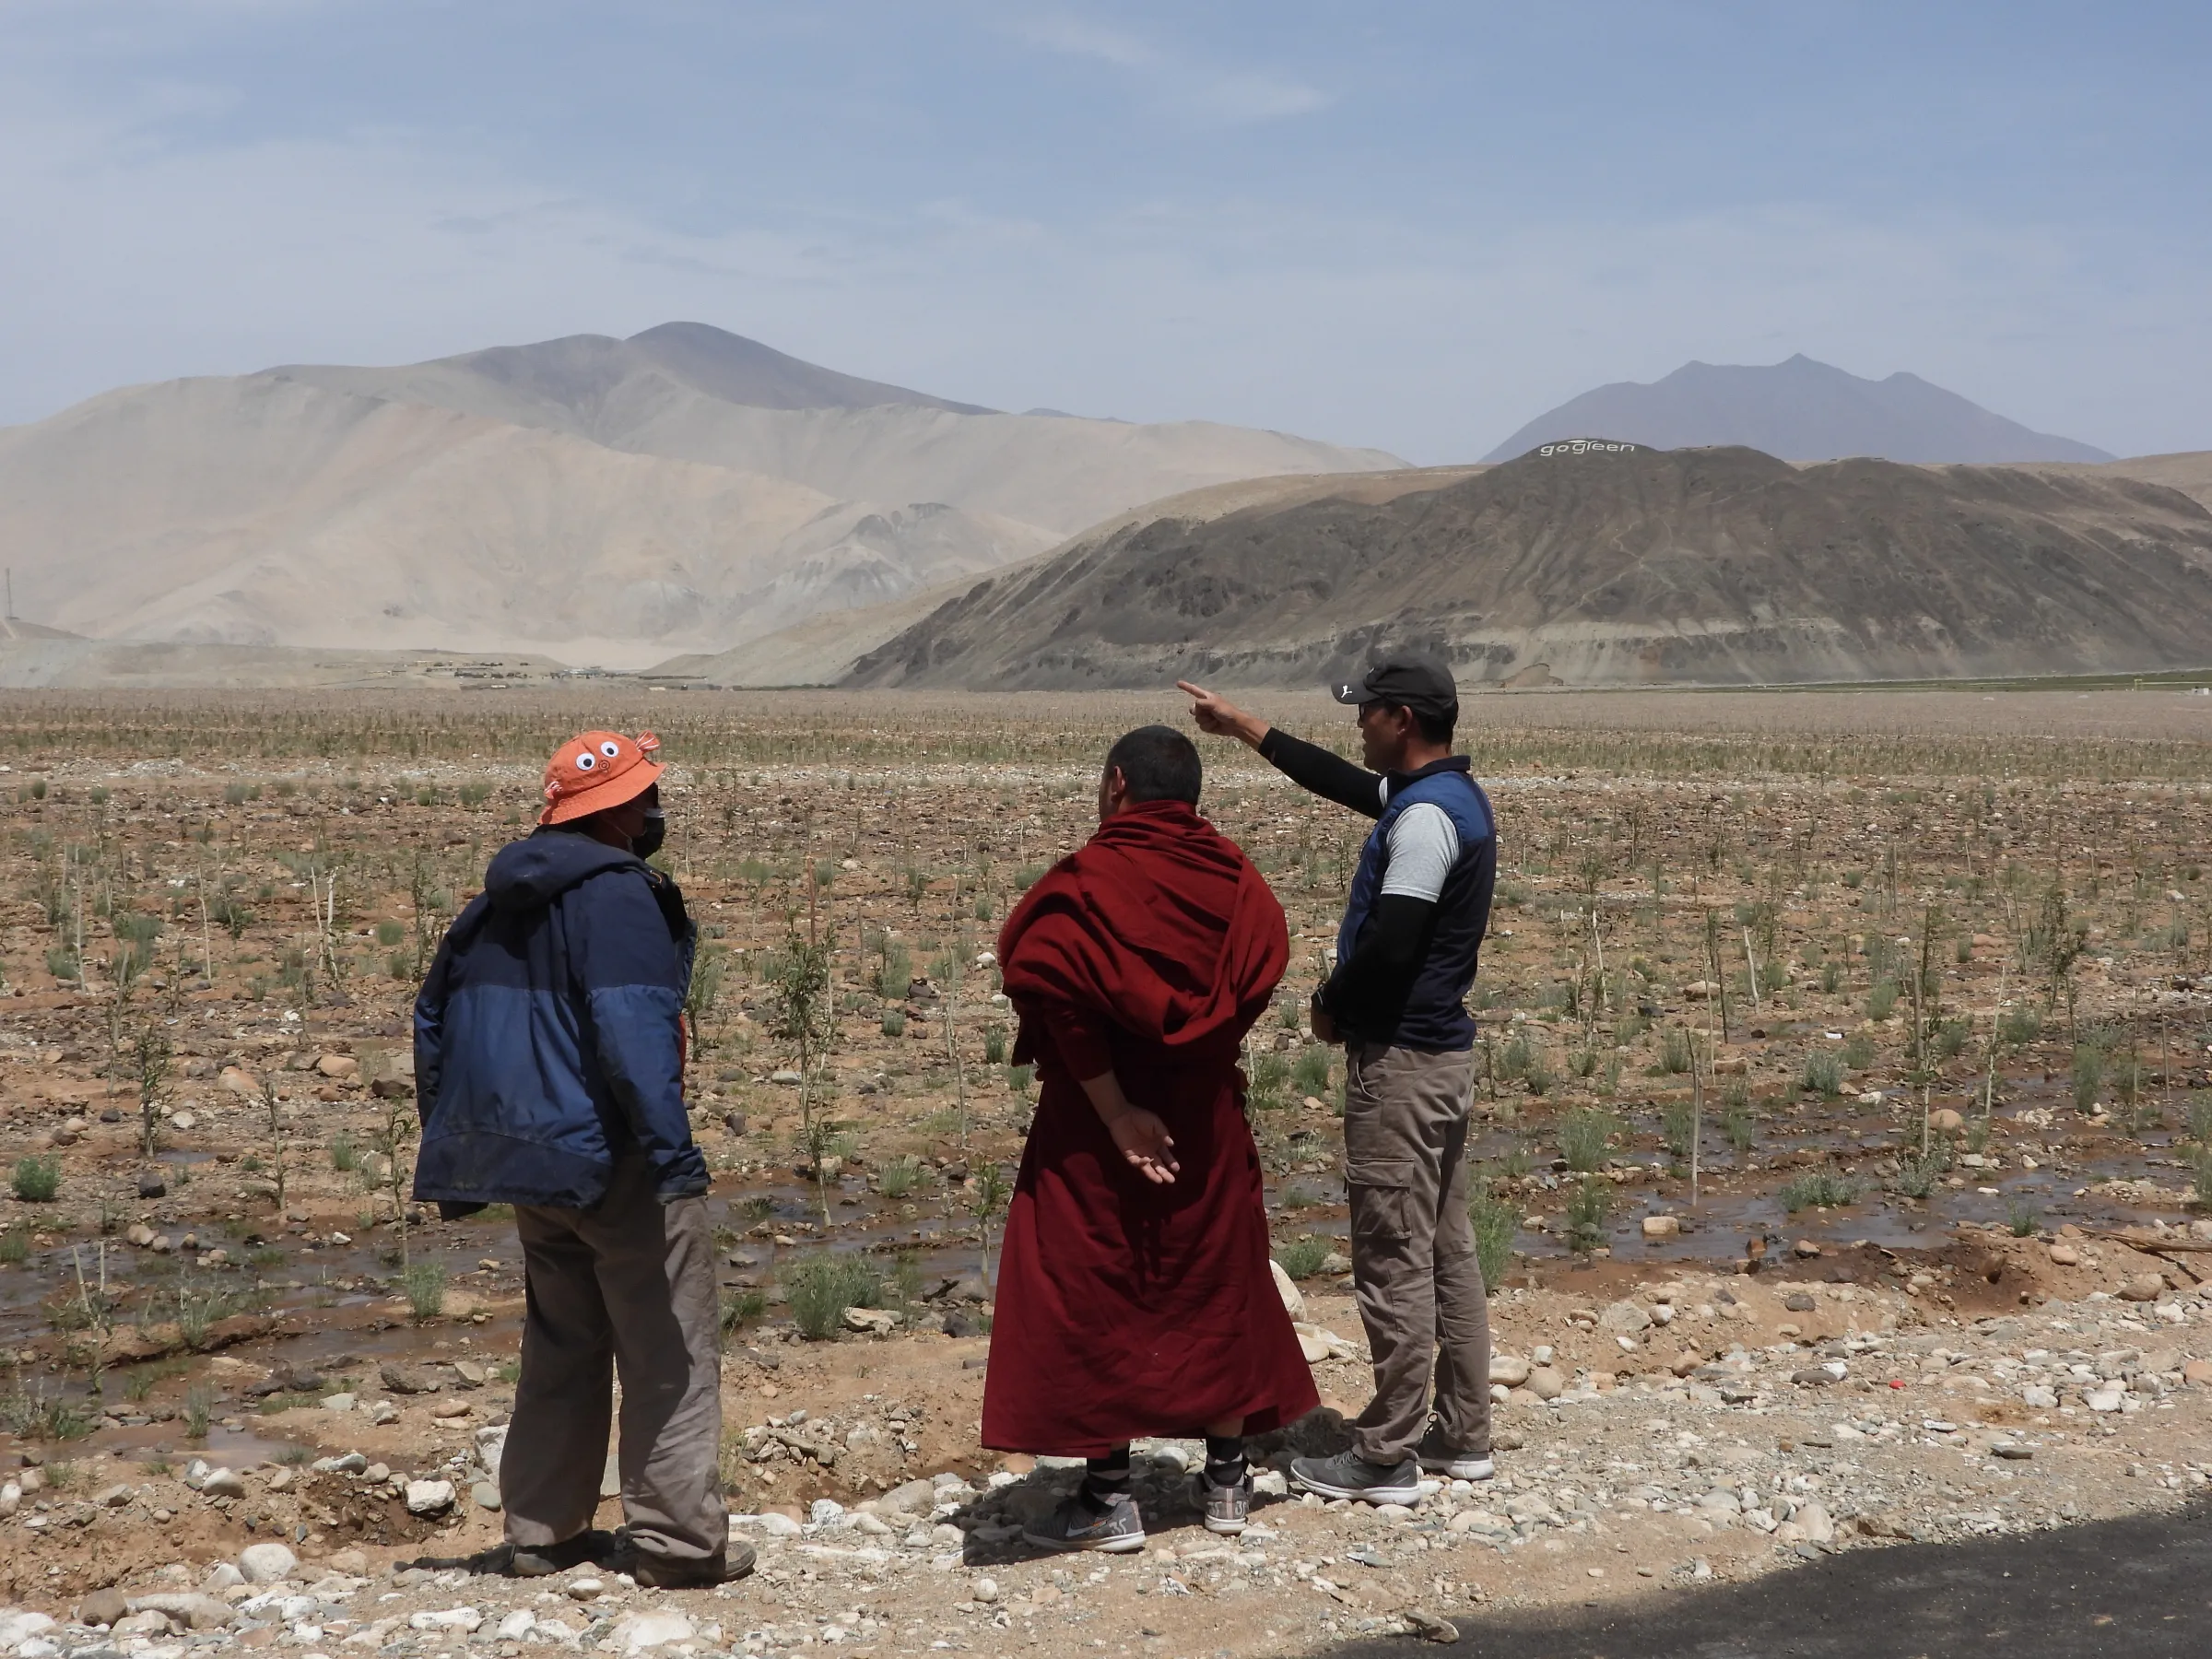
1325	774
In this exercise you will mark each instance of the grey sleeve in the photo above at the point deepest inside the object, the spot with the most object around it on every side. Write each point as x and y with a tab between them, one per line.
1423	848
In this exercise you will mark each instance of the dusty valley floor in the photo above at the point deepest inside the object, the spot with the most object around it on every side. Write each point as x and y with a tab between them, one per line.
1846	1142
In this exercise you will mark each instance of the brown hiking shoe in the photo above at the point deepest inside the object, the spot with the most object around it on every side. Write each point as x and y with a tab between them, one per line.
661	1572
534	1560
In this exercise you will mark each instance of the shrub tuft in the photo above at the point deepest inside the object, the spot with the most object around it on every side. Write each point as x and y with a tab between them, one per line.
1301	1258
37	1180
820	1287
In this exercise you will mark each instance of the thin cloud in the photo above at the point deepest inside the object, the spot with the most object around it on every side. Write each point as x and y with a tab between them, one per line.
144	233
1077	38
1197	89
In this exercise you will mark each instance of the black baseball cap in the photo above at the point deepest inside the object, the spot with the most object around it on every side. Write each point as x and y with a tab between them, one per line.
1420	683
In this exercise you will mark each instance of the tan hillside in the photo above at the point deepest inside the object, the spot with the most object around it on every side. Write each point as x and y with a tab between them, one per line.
819	651
602	502
2189	472
67	663
262	512
697	393
822	649
1636	566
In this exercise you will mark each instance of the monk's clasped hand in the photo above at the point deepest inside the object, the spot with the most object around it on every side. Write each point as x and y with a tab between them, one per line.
1144	1140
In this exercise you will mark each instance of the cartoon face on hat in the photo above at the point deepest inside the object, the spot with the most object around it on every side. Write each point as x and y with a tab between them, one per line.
594	771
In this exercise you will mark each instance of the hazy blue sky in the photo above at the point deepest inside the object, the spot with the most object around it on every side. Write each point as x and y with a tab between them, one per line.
1410	225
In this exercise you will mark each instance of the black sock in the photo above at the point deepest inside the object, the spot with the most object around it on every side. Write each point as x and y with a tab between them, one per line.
1105	1481
1225	1458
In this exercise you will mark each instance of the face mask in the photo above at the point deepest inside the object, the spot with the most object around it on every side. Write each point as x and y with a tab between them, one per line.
648	841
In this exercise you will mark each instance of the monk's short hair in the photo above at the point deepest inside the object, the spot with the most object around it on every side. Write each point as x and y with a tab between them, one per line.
1158	763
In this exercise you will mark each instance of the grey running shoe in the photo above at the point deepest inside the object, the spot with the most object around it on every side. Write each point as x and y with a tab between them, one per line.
1438	1458
1075	1525
1348	1474
1228	1508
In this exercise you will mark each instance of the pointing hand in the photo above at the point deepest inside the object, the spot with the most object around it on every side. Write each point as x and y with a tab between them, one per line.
1220	718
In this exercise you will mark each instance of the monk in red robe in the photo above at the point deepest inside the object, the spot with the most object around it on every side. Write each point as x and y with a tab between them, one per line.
1134	1296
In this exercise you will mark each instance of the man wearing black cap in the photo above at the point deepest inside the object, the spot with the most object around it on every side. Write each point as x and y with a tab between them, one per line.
1405	956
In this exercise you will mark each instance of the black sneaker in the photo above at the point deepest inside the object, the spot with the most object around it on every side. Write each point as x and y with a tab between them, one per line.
1228	1508
587	1548
1347	1474
1075	1525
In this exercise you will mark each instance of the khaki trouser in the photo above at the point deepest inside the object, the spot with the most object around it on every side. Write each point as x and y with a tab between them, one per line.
629	1285
1414	1268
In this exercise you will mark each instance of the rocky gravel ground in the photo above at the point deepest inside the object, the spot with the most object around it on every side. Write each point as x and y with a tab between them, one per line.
1700	1427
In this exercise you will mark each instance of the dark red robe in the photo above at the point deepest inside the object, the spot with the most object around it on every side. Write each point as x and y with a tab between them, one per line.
1127	1308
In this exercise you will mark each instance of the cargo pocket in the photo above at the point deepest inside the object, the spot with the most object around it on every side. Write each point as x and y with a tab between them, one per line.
1381	1195
1369	1141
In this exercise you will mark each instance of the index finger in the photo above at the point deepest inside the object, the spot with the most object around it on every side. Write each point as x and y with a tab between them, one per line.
1194	690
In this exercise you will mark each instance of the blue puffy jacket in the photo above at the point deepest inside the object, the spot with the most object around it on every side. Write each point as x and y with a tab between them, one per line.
549	1036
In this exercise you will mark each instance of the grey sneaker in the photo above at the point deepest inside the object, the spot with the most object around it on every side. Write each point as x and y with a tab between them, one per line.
1438	1458
1228	1508
1075	1525
1348	1474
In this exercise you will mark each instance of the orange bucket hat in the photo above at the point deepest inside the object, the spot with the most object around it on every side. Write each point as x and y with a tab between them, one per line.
594	771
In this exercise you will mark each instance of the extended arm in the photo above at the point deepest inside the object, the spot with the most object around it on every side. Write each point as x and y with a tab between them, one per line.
1328	775
1308	765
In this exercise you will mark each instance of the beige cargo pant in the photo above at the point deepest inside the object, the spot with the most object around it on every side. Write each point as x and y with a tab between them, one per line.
630	1287
1414	1268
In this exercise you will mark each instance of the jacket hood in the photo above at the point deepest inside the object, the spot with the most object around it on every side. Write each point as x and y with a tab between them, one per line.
532	873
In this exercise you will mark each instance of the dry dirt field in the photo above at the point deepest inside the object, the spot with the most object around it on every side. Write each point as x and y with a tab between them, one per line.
1846	1140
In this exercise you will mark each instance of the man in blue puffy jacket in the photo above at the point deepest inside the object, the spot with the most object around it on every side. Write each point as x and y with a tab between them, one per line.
549	1064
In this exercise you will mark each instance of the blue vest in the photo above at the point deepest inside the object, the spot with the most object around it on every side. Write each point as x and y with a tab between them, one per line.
1436	1019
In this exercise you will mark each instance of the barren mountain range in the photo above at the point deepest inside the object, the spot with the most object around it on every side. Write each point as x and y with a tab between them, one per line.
593	499
1607	564
1800	411
767	520
823	648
